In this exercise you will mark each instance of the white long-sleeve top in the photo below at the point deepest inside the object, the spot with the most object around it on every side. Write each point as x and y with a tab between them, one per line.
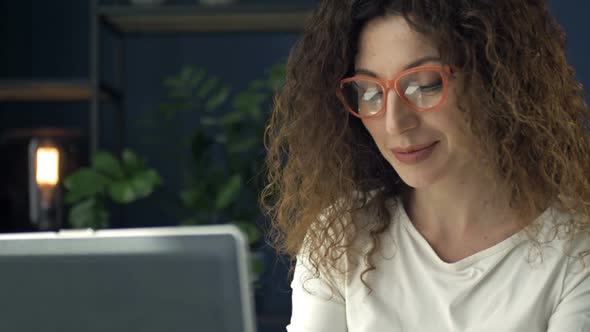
508	287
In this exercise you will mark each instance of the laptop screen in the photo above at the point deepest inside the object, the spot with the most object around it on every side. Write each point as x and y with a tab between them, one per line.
173	279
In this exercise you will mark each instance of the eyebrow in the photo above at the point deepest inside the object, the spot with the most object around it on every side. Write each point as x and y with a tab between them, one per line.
416	63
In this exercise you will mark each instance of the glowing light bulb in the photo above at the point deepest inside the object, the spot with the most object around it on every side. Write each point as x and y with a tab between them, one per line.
47	170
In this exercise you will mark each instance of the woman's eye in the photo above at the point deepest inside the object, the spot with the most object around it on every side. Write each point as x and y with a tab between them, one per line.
437	86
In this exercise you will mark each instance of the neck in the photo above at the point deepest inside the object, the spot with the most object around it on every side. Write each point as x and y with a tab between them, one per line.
461	206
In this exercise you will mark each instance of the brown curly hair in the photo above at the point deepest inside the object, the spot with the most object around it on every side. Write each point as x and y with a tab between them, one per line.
520	98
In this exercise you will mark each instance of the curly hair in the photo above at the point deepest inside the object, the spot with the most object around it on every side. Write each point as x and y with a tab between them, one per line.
520	98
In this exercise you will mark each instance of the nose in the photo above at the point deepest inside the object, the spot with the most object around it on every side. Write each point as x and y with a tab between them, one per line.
398	116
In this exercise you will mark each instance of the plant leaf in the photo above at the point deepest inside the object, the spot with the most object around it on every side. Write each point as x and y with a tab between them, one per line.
231	118
244	145
219	98
208	121
276	75
189	197
105	163
131	162
228	192
144	183
207	87
84	183
256	267
250	230
197	76
89	213
220	138
257	84
122	192
190	222
197	199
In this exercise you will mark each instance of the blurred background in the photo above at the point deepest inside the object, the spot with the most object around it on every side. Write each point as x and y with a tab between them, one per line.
142	113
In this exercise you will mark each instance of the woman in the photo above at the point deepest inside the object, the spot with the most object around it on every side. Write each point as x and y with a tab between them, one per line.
428	165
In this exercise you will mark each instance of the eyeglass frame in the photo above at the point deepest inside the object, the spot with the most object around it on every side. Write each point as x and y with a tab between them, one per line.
444	70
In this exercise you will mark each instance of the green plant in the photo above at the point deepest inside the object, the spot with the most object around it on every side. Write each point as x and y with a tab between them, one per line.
108	178
226	144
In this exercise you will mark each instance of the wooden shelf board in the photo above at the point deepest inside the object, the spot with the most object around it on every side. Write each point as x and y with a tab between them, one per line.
178	19
48	90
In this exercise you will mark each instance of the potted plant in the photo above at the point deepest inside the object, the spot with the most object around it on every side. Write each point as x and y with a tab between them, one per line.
226	155
226	144
107	179
225	148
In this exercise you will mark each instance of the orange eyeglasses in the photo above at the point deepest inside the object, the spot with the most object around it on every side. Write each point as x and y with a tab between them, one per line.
420	88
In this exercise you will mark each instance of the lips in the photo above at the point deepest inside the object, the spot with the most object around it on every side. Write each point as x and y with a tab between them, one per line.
413	148
414	154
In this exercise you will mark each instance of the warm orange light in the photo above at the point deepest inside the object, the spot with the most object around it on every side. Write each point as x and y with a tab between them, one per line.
47	166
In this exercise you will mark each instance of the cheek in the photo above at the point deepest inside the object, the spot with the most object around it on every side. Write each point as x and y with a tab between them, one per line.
456	128
456	119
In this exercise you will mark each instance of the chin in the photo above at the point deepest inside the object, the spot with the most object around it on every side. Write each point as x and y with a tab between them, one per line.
423	174
420	176
418	181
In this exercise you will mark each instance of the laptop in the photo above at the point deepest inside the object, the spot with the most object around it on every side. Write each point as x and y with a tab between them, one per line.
151	279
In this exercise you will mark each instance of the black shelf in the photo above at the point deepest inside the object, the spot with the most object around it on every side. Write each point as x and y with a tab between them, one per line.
189	19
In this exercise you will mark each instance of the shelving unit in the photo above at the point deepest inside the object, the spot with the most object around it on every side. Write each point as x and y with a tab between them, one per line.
128	20
65	91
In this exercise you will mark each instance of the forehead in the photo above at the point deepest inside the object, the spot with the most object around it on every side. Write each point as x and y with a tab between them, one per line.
387	44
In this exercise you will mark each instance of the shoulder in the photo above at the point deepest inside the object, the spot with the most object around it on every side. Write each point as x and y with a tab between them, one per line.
339	244
562	241
573	246
563	231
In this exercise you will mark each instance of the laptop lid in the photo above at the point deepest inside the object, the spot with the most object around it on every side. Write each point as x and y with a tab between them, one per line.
156	279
